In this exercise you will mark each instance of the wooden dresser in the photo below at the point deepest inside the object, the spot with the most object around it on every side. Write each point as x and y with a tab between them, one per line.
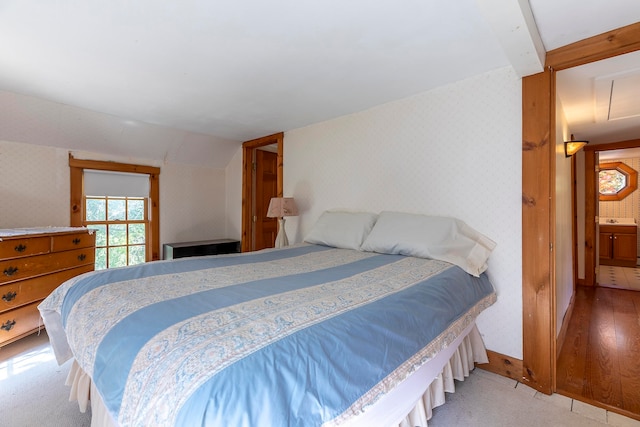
33	262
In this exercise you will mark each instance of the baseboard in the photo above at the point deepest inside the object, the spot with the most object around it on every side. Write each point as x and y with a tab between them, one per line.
565	326
500	364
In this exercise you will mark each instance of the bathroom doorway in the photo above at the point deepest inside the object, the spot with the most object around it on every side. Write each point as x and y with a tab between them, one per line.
618	212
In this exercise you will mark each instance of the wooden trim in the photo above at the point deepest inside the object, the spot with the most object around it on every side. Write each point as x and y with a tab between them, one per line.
500	364
537	300
154	221
630	187
590	207
574	226
620	145
538	222
76	191
552	237
593	402
112	166
248	148
612	43
565	324
76	169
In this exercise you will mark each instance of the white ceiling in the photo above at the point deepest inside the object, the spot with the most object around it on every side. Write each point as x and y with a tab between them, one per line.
235	70
593	94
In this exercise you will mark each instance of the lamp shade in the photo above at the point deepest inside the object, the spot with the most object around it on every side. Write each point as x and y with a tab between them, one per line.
572	147
282	206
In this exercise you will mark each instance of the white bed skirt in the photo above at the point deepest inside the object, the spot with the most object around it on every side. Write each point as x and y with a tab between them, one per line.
410	397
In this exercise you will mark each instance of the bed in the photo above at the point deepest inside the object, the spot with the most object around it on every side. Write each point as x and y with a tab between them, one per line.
312	334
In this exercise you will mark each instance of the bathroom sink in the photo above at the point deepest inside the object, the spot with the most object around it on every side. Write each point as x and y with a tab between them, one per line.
617	221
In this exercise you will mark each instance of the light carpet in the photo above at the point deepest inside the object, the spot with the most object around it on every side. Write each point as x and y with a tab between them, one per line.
32	393
32	390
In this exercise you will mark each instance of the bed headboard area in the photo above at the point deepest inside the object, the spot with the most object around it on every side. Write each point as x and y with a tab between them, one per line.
453	151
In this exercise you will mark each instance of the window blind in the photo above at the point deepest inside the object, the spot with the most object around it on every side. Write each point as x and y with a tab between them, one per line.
115	184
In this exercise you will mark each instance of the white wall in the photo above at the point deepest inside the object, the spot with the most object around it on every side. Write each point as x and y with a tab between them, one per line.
34	191
455	151
192	203
234	196
563	250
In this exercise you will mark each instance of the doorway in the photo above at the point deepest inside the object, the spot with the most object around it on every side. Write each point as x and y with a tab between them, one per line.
265	176
601	236
618	217
258	188
538	199
598	361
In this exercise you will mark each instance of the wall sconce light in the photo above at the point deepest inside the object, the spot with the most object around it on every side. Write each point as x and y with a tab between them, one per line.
572	147
279	207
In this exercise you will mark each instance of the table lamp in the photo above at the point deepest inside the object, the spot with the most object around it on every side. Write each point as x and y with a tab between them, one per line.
280	207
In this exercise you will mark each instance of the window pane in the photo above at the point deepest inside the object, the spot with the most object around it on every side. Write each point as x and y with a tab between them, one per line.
101	258
117	235
136	234
136	255
117	256
135	209
612	181
116	210
121	243
101	233
96	210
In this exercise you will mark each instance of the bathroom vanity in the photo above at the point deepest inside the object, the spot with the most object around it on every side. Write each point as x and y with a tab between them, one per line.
618	242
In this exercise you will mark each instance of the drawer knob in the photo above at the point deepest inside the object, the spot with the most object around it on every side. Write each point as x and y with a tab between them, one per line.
10	271
81	257
8	325
20	248
76	241
9	296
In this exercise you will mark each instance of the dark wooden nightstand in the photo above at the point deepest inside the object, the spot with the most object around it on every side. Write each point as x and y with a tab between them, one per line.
200	248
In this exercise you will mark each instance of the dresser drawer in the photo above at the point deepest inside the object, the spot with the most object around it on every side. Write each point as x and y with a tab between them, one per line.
16	294
66	242
13	248
21	268
18	322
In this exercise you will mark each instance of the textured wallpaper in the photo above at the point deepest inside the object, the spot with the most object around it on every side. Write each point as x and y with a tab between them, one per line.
453	151
34	186
34	191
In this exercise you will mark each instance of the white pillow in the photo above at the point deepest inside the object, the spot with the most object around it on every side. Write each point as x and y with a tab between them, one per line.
442	238
342	229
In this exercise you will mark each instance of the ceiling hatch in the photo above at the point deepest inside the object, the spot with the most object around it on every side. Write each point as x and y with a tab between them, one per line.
618	96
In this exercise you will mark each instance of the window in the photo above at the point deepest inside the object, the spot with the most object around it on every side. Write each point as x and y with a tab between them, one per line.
118	219
616	181
120	224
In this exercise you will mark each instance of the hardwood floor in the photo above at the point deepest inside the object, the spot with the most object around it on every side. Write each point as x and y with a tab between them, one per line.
600	360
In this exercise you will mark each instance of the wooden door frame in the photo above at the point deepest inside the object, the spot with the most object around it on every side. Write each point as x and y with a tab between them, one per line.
248	149
538	197
591	250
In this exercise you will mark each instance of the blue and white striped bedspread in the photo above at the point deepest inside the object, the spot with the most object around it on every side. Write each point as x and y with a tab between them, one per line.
307	335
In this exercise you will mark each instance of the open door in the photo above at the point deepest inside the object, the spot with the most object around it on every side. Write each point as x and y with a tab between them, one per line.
266	186
252	197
